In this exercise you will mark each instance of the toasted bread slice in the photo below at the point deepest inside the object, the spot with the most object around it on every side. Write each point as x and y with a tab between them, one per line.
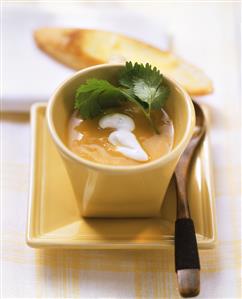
79	48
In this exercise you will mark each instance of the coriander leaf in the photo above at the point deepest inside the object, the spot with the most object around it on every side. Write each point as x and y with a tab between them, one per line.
131	73
127	74
94	96
161	95
142	85
146	86
144	92
154	96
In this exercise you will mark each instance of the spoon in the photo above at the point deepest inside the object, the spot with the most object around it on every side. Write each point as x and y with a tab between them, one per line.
186	252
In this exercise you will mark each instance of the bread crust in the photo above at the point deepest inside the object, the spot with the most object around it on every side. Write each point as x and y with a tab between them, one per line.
80	48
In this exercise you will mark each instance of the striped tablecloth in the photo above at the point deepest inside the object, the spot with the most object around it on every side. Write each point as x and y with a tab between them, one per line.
208	35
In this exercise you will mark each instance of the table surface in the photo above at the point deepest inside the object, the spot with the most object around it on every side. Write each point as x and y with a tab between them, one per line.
208	35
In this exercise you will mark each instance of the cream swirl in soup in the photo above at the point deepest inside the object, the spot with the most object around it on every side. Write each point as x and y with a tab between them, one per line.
121	136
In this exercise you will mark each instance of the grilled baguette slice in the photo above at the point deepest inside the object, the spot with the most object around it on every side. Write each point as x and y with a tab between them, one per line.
80	48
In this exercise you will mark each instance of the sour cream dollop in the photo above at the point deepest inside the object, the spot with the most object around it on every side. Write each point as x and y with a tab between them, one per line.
123	139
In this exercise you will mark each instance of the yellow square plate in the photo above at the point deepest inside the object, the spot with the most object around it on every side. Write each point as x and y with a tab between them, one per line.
54	220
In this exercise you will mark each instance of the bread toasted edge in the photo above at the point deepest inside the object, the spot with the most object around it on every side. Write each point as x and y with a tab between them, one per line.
83	60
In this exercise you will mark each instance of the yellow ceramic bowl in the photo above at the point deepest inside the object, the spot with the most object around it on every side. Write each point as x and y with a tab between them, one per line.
118	191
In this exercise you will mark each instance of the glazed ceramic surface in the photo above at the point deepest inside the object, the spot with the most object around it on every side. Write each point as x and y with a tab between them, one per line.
54	218
118	191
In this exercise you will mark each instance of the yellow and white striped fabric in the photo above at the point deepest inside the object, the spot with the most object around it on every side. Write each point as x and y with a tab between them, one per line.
208	35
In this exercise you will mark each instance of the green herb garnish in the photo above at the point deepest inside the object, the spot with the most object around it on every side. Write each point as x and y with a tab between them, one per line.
142	85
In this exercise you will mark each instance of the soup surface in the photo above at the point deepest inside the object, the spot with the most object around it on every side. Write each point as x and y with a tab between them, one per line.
90	141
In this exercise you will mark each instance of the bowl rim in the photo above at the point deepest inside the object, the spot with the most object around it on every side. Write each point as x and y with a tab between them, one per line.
118	168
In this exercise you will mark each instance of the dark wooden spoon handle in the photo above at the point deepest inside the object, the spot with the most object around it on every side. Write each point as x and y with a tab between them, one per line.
187	258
